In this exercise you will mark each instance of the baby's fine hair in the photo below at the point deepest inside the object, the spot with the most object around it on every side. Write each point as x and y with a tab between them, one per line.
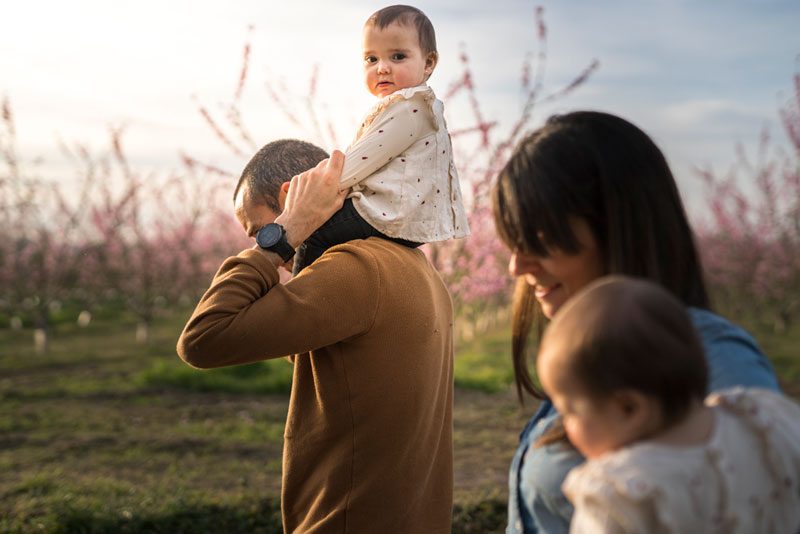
410	16
627	333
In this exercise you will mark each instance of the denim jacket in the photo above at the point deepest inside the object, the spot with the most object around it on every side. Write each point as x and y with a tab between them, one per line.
535	502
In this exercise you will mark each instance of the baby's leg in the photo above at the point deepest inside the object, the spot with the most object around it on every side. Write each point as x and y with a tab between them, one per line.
343	226
404	242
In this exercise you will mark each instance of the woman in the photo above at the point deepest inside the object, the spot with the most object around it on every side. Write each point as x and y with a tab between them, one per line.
586	195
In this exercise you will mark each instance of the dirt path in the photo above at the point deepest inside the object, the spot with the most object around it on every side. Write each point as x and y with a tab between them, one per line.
487	427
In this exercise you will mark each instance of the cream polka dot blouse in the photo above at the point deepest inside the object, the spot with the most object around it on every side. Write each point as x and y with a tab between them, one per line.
400	169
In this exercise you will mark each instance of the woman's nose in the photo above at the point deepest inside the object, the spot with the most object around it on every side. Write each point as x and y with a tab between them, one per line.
520	264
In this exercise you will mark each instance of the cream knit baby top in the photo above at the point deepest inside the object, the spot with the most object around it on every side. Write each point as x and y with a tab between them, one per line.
743	480
400	168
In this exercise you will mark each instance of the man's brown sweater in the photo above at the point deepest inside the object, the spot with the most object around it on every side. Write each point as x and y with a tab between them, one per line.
368	441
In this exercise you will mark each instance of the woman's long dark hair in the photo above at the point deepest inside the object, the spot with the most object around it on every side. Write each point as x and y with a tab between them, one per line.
602	169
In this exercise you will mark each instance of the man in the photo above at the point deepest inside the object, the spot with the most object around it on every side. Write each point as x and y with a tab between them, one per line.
368	440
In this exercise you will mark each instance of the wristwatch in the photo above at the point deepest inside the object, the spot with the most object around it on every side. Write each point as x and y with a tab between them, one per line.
272	237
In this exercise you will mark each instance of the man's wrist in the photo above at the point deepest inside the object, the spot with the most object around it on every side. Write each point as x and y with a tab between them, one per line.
273	257
272	237
295	235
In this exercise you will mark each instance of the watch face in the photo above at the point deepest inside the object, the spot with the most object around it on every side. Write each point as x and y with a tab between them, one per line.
269	235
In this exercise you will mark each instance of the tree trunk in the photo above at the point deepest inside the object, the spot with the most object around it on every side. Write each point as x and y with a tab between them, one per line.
142	332
781	322
41	340
41	332
84	318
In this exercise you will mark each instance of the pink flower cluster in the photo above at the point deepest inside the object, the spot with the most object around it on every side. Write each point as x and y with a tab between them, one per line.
150	241
475	268
120	236
751	241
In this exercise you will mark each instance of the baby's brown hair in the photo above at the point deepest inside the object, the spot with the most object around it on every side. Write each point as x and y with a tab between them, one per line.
411	16
626	333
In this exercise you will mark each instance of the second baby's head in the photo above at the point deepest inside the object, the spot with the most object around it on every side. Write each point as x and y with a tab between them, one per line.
399	49
621	362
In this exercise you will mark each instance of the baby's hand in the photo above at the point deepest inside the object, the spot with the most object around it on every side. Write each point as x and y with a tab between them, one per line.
313	197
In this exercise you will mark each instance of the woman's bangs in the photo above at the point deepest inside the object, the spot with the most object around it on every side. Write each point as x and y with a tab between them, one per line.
547	215
537	226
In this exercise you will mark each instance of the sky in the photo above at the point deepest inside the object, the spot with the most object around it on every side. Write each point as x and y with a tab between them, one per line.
698	75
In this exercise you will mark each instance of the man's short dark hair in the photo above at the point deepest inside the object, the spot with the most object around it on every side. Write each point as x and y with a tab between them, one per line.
275	164
411	16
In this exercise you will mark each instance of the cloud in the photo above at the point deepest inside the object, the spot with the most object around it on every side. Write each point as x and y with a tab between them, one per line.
699	113
698	76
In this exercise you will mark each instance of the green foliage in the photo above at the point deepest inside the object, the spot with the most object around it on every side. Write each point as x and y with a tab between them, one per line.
179	517
783	351
273	376
263	517
480	518
65	314
245	517
484	364
107	435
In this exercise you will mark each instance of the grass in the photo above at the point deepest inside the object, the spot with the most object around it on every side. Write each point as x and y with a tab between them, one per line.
784	353
273	376
484	364
104	435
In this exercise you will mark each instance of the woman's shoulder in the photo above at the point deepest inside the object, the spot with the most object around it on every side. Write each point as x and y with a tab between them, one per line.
712	326
733	355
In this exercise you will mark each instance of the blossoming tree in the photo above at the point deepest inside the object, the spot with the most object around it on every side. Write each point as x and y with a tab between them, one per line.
751	244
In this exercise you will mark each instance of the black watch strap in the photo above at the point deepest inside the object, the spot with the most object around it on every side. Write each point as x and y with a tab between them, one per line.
272	237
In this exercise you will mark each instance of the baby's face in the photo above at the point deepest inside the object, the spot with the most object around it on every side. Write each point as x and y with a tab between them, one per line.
595	426
393	59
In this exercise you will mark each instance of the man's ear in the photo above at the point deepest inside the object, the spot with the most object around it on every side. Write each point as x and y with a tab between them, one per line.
284	190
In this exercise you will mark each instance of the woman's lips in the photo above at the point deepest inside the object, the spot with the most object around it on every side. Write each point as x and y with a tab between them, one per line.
542	291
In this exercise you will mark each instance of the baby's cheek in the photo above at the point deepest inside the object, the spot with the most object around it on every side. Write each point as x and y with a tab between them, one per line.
579	438
572	431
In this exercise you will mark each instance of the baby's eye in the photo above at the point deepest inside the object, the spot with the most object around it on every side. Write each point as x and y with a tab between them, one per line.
370	59
398	56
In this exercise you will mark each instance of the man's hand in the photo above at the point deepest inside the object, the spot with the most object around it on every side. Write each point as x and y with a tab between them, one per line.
313	197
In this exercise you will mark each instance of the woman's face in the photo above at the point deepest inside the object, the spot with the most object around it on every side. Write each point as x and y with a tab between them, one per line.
557	276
